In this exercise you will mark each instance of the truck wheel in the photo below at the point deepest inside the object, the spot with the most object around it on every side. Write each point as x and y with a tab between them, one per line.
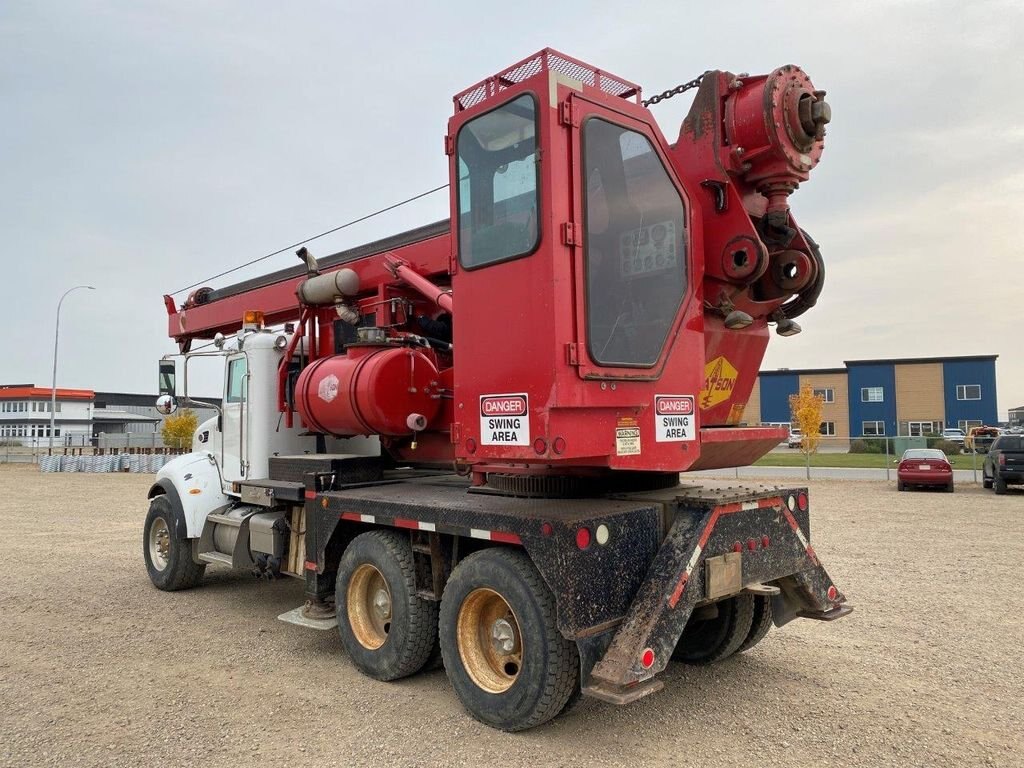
503	653
999	484
760	624
168	558
709	640
386	628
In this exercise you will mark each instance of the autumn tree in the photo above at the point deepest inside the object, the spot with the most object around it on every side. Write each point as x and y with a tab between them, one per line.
805	408
178	428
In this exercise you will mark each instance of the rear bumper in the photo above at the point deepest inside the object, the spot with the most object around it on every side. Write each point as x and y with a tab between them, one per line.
929	477
1013	476
767	532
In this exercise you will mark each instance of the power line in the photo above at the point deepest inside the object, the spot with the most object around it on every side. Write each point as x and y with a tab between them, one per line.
310	239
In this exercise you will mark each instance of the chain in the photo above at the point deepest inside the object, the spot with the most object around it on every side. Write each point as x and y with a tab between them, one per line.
681	88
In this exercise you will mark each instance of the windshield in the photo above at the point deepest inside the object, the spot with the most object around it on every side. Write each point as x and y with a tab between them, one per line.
924	453
635	246
497	194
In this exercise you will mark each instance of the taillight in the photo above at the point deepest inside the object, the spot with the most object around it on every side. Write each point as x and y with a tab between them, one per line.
1002	459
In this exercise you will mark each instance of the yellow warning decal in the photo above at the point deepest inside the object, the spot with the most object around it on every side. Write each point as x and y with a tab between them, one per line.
719	382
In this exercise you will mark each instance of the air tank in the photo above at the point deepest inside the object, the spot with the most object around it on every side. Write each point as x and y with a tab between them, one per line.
369	391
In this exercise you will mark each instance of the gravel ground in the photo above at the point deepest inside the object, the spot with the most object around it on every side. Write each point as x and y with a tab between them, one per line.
98	668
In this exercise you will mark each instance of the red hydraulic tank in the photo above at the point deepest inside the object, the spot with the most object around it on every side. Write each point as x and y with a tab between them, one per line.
389	391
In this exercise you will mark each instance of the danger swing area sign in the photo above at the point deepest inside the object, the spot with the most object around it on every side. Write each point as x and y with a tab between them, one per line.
674	418
505	419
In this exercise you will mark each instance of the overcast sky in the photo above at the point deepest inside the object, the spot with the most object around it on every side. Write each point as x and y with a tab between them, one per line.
147	145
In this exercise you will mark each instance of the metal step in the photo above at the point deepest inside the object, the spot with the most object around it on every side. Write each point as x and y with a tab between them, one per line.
234	522
215	557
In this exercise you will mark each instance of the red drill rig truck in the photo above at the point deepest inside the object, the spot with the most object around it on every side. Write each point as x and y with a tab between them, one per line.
467	439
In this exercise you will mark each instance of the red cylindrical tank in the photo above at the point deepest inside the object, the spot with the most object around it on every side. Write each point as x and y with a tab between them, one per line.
368	391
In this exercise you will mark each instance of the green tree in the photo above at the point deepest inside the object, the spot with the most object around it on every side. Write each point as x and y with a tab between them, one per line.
178	429
805	408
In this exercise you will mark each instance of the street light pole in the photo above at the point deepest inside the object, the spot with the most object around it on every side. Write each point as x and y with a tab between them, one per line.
53	386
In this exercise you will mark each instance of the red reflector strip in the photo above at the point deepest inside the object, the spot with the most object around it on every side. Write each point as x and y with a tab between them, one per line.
310	565
309	495
505	538
402	522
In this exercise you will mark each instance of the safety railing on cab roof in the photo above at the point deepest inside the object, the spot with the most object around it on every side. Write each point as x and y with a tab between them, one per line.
544	61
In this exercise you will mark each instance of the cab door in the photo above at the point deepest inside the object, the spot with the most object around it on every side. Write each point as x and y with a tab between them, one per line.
634	270
234	464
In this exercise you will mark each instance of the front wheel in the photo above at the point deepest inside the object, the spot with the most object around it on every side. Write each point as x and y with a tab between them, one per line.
508	663
985	482
168	557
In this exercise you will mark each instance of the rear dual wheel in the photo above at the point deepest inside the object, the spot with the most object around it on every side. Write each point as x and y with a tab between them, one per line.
505	657
386	628
740	623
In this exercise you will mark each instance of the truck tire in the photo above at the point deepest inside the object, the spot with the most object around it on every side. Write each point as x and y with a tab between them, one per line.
999	485
386	628
760	624
709	640
985	481
168	557
508	663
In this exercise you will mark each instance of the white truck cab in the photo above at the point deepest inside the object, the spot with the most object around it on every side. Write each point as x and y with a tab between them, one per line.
199	496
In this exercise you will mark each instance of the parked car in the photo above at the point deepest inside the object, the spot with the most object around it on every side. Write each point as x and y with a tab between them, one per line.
796	438
954	435
924	467
1004	463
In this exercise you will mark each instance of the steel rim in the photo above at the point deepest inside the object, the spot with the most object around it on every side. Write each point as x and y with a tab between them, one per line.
159	543
490	641
369	607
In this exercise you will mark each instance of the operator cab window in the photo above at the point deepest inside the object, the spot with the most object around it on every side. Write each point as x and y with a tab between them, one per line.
498	181
635	246
237	369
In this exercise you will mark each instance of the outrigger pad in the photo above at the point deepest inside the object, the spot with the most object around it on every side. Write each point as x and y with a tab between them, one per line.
297	617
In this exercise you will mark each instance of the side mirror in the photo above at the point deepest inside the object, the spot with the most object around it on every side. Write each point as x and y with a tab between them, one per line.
166	378
166	404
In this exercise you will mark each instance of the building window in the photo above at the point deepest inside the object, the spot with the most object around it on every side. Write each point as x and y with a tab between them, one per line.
871	395
827	428
872	428
968	391
966	424
922	428
827	394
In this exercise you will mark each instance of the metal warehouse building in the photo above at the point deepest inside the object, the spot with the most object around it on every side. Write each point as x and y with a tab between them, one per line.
868	398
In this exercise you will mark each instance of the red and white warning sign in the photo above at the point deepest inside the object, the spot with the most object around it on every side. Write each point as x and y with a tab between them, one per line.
504	419
675	418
